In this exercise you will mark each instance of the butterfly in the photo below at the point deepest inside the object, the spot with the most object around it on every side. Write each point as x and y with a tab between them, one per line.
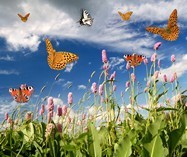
126	16
24	18
171	31
86	18
134	59
22	94
58	60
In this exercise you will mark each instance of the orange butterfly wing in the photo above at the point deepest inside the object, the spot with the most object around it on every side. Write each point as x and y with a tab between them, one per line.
125	16
134	59
21	95
171	32
20	15
27	15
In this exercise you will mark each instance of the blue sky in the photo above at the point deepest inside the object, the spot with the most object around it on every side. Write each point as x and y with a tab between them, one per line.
23	56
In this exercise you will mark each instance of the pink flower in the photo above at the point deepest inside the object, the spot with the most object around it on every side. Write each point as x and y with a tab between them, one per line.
173	78
59	110
49	116
102	99
104	56
127	84
159	63
146	89
50	105
64	110
94	88
23	86
133	77
128	66
114	87
101	87
165	78
145	61
156	74
6	116
148	83
42	110
112	77
173	58
157	45
70	98
153	57
59	127
83	116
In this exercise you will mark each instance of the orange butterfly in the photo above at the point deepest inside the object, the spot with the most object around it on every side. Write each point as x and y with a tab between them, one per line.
22	94
59	60
125	16
24	18
134	59
171	32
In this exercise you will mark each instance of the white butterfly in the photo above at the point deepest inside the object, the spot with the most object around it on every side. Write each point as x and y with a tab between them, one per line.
86	18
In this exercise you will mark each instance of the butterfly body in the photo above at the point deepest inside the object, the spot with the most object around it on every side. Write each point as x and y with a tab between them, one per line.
58	60
21	95
134	59
86	18
24	18
171	31
126	16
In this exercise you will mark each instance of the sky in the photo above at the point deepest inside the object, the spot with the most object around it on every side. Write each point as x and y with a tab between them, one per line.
23	56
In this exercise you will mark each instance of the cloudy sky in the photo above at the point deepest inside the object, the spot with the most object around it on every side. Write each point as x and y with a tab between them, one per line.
23	56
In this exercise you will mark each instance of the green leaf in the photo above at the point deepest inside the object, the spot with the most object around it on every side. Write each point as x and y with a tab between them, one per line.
123	149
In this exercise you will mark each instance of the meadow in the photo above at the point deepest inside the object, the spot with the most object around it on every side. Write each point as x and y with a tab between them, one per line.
105	128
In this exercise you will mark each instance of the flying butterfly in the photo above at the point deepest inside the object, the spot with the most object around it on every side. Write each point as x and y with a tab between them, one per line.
134	59
171	31
58	60
86	18
22	94
24	18
126	16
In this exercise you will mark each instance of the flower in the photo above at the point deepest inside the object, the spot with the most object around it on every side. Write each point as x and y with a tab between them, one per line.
127	84
114	87
153	57
49	130
28	116
112	77
64	110
49	116
173	58
104	56
50	105
70	98
156	74
145	61
59	110
165	78
101	87
128	66
6	116
94	88
42	110
133	77
157	45
159	63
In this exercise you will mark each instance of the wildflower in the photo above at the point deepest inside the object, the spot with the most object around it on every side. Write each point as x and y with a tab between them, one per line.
50	105
28	116
173	58
153	57
112	77
128	66
145	61
146	89
102	99
165	78
148	83
70	98
133	77
49	130
173	78
104	56
64	110
157	45
114	87
83	116
10	121
42	110
59	127
94	88
156	74
6	116
101	87
49	116
59	110
127	84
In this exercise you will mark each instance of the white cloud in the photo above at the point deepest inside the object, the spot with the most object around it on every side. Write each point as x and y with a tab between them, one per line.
116	62
69	67
8	72
58	101
67	84
7	58
81	87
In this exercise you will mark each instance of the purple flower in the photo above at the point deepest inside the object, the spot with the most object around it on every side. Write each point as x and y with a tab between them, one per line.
127	84
157	45
145	61
70	98
64	110
165	78
101	87
153	57
128	66
94	88
42	110
173	58
104	56
59	110
112	77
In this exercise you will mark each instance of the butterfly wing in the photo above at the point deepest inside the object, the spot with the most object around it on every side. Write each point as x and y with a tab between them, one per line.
49	46
134	60
27	15
26	93
20	16
86	18
125	16
16	94
172	22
